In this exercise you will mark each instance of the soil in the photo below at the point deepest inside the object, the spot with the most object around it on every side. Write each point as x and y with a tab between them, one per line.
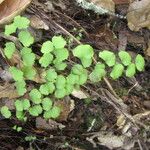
102	32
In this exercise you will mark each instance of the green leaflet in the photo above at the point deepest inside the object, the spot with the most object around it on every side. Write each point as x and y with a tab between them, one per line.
81	72
60	82
131	70
108	57
61	54
98	73
58	42
69	88
19	105
52	113
117	71
72	79
9	29
77	69
21	22
83	78
21	87
47	47
36	110
28	59
84	53
26	50
20	115
25	38
139	62
5	112
60	66
46	60
9	49
47	88
29	72
47	104
125	58
86	62
16	73
35	96
60	93
22	105
51	75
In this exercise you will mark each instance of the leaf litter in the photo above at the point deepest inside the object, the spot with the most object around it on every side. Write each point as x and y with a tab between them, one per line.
72	121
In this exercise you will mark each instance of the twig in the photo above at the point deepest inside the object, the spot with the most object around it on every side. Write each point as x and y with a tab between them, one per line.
140	146
67	32
111	88
132	87
73	22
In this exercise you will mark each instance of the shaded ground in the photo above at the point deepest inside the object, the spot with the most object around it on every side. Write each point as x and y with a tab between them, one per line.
102	32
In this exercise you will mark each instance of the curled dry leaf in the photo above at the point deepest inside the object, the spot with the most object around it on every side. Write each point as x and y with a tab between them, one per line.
139	15
10	8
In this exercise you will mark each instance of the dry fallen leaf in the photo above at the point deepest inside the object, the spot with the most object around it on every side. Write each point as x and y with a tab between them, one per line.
37	23
79	94
139	15
10	8
8	91
48	125
66	105
112	141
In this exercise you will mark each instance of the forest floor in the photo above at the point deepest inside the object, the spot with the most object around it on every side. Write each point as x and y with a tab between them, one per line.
103	122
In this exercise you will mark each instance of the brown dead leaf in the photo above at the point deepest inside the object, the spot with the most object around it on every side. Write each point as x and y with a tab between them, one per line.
66	105
48	125
5	75
9	103
8	91
139	15
10	8
37	23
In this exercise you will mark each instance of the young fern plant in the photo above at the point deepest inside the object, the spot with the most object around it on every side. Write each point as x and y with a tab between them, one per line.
56	85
